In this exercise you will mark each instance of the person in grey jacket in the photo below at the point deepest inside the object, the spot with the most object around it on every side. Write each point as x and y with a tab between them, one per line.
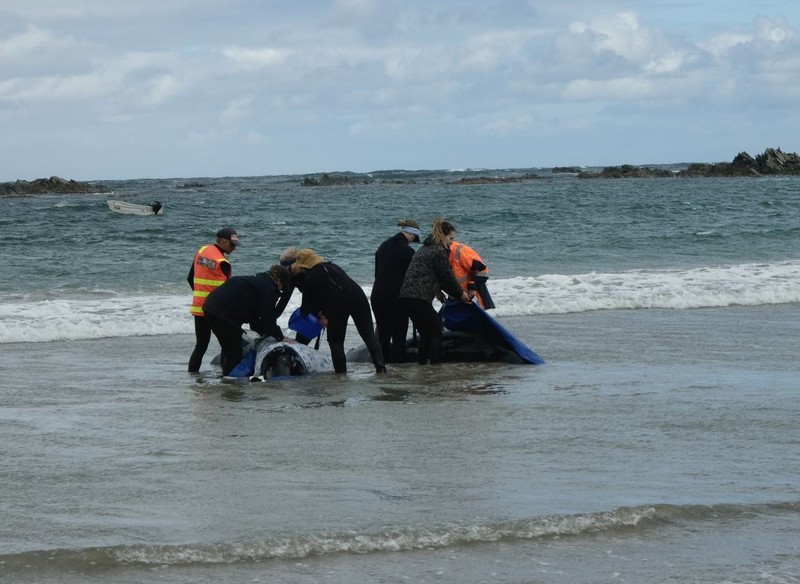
428	275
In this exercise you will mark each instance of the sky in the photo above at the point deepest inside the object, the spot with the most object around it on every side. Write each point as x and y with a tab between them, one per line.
106	89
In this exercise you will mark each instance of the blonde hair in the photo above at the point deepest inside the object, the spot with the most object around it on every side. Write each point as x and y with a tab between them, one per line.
307	258
440	229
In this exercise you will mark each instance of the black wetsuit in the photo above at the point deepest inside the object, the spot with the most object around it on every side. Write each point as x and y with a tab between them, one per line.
327	289
242	299
391	262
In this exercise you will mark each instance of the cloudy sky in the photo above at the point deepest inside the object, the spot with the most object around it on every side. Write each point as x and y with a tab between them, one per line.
106	89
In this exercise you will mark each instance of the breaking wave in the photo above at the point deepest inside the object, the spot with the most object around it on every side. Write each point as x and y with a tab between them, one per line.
102	313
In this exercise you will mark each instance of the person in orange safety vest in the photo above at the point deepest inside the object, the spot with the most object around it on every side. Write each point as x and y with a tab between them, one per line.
471	273
210	268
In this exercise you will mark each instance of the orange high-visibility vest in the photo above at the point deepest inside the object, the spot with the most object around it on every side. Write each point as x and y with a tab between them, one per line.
461	258
208	275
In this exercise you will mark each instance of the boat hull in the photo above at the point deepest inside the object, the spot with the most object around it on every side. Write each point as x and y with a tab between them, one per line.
125	208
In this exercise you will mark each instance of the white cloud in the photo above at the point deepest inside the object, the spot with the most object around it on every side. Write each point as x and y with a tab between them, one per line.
380	74
251	59
237	109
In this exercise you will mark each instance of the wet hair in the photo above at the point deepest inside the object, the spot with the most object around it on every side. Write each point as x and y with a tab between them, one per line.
440	229
280	274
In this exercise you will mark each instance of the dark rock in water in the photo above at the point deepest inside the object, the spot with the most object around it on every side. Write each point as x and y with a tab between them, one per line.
482	180
331	179
771	162
53	184
628	171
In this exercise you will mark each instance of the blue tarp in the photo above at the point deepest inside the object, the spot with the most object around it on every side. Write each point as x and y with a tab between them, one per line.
471	318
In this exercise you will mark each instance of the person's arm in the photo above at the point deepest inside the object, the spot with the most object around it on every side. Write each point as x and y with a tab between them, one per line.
267	325
283	301
190	277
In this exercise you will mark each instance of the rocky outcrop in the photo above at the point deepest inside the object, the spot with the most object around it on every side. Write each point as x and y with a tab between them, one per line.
53	184
482	180
771	162
628	171
331	179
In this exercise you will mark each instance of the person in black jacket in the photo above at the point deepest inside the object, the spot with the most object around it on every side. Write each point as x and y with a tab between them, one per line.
333	297
428	274
391	262
245	299
287	258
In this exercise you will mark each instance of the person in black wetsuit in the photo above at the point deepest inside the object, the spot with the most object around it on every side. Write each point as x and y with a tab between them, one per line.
391	262
333	297
245	299
428	274
287	258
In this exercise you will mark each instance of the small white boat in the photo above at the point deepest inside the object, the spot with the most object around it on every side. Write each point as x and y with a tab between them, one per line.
125	208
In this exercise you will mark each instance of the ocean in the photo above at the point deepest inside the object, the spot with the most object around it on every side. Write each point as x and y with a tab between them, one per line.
658	443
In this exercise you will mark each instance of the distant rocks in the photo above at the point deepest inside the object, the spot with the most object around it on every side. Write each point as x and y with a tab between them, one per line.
482	180
53	184
331	179
772	162
628	171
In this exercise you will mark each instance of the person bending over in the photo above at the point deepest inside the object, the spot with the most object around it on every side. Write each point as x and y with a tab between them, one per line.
245	299
333	297
428	274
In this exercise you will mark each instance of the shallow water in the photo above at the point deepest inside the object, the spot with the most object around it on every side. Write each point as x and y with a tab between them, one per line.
657	444
654	446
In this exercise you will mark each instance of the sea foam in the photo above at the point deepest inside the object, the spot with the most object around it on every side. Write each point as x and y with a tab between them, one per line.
23	319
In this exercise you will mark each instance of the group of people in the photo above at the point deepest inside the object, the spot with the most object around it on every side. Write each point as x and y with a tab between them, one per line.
406	282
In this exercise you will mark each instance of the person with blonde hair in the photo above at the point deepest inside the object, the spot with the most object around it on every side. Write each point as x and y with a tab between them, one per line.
391	262
428	275
333	297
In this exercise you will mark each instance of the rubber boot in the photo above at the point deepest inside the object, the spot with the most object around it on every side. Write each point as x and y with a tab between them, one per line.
338	358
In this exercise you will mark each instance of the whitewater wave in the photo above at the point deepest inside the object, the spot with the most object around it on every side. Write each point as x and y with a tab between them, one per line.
100	314
400	540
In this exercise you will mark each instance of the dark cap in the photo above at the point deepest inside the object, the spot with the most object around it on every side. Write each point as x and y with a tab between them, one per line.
230	234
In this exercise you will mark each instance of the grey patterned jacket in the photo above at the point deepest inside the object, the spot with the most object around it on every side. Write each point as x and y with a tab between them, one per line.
429	272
